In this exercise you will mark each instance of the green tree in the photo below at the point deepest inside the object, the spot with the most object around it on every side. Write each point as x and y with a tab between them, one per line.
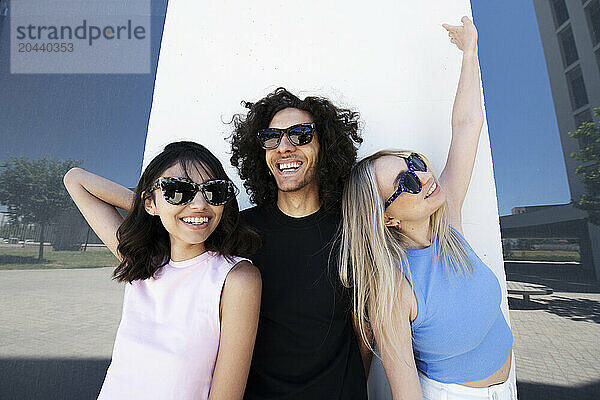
34	192
588	135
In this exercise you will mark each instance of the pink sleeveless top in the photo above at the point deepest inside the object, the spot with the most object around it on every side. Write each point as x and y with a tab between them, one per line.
168	338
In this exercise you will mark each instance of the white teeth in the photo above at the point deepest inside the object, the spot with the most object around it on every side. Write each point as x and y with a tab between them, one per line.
289	165
431	189
195	220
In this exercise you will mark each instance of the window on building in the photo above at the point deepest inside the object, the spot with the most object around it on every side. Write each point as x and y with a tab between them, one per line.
568	48
597	53
559	11
577	90
592	13
584	116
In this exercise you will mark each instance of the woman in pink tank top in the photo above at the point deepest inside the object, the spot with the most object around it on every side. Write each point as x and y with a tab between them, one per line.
191	304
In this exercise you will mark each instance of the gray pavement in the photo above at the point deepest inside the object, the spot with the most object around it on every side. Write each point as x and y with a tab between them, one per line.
556	336
57	328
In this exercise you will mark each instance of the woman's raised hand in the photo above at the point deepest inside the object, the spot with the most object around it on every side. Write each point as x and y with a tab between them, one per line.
463	36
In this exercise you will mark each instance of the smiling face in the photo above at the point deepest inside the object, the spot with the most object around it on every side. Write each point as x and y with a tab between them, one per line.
188	225
293	167
407	206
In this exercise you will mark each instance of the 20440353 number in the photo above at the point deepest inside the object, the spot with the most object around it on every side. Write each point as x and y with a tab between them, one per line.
46	47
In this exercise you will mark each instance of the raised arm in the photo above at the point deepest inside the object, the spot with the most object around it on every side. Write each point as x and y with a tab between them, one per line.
467	120
97	199
240	307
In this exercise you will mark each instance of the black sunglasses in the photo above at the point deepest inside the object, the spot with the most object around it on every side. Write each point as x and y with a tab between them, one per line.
409	181
298	135
180	191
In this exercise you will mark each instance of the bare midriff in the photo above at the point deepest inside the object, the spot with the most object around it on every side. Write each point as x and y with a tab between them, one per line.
498	377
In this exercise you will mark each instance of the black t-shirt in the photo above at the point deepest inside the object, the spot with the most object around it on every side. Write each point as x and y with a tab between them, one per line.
305	345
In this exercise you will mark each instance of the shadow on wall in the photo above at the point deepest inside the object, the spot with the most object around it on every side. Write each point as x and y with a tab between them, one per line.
51	379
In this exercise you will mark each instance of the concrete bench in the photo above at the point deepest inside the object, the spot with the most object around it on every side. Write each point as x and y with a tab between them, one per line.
527	289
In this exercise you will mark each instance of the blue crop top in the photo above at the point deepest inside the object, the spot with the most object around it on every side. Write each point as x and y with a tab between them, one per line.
460	334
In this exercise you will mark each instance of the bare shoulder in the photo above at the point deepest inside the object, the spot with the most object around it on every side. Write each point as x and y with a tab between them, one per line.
408	303
405	300
406	295
244	277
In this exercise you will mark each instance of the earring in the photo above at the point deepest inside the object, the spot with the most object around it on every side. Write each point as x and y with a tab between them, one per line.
398	225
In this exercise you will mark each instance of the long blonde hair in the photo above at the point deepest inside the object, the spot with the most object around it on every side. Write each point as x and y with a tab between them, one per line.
373	258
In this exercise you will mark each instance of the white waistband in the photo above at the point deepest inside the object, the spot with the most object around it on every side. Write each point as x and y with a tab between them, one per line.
437	390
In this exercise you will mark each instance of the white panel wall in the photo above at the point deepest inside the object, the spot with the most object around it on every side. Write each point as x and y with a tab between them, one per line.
391	61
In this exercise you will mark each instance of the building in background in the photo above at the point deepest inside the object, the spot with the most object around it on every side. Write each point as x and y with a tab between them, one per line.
3	14
570	34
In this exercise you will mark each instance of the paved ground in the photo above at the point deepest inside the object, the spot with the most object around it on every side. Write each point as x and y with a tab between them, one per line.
57	328
556	336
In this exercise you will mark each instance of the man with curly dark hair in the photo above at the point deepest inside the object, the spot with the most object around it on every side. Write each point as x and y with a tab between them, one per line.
295	156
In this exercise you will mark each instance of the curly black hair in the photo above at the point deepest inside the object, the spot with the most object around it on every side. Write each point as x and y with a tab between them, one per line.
339	138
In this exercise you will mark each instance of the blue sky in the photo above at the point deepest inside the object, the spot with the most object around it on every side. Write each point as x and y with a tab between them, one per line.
79	116
528	162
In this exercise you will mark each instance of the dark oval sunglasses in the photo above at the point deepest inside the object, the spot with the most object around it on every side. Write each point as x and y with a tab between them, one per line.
409	181
298	135
180	191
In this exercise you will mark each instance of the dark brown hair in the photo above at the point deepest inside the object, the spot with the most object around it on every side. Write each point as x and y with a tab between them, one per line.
144	242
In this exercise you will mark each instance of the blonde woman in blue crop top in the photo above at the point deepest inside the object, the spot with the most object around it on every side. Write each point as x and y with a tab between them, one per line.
431	303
